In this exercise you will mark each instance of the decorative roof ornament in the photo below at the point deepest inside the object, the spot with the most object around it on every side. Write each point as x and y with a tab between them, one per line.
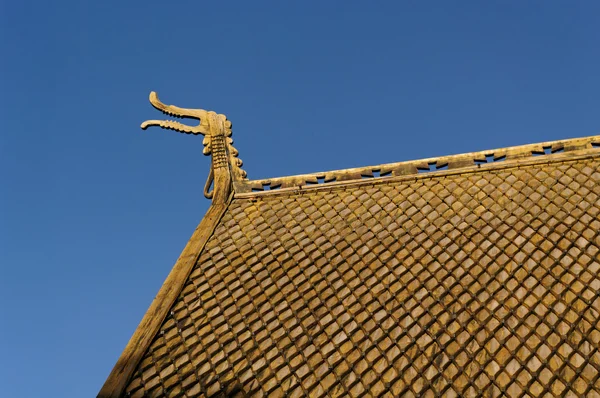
216	129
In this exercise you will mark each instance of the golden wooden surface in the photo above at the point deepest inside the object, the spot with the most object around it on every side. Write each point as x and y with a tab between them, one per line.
482	283
483	159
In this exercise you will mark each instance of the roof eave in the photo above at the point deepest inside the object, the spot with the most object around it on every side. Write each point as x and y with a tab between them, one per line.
162	303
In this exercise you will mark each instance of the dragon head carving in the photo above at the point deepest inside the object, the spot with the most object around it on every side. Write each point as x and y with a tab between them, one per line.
215	128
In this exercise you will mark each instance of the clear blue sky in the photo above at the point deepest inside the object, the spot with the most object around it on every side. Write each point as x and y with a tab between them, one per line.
94	211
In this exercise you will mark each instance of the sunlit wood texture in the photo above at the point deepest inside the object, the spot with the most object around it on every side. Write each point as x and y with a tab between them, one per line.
477	283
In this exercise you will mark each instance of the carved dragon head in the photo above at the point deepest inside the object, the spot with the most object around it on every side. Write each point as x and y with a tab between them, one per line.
215	128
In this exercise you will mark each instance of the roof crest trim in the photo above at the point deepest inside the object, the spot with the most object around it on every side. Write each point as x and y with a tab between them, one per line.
493	167
162	303
435	165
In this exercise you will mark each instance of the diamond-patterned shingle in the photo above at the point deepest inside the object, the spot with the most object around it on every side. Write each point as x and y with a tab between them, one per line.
485	283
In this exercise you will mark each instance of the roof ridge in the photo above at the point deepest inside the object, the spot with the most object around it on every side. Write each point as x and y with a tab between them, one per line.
466	161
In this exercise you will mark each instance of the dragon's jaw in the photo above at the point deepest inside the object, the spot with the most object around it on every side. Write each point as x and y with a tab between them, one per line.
173	125
217	137
201	128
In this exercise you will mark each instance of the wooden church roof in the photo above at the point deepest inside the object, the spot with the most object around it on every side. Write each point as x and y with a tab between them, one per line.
467	275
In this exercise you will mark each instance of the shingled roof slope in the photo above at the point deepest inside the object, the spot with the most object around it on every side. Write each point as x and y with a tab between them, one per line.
483	281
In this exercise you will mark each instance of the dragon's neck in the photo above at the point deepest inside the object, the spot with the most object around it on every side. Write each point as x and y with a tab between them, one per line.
225	165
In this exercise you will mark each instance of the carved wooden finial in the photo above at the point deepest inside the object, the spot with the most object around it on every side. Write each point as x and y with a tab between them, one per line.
216	129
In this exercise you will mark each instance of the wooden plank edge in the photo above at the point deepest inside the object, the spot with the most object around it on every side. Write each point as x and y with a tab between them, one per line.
489	167
149	326
510	153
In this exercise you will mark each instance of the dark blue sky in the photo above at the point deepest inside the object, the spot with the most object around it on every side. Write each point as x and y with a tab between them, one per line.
95	211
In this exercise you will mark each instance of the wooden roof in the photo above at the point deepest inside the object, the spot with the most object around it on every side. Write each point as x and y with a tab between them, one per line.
481	279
